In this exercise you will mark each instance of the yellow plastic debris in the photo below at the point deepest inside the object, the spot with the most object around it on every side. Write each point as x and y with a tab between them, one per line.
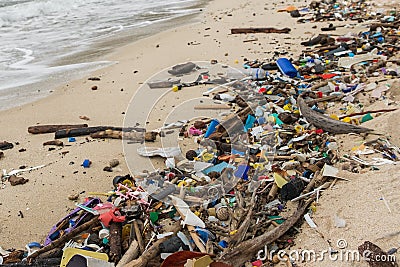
347	119
279	180
334	116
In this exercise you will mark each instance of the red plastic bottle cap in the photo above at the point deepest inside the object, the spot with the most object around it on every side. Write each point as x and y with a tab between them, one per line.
319	94
262	90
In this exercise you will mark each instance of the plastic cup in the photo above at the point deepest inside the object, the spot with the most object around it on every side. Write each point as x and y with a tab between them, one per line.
104	233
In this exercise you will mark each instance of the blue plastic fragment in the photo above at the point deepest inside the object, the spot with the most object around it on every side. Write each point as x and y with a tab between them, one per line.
86	163
242	171
223	244
249	122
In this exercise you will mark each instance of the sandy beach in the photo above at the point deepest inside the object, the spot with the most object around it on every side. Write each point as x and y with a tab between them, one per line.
44	199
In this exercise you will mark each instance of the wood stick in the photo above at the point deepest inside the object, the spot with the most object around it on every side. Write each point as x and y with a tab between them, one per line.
151	252
115	241
366	112
130	254
272	193
139	237
216	106
192	231
132	136
259	30
60	241
239	255
53	143
196	238
311	184
244	226
52	128
319	85
322	99
326	47
94	129
250	40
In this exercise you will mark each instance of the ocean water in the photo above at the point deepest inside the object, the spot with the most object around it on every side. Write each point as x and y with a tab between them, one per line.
44	43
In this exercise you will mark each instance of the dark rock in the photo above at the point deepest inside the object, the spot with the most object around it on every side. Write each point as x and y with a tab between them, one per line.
14	180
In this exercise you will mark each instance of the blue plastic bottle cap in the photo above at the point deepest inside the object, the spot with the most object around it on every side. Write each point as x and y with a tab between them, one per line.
71	139
86	163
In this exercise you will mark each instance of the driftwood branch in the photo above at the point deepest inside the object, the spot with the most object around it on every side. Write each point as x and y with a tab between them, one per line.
366	112
241	233
138	235
259	30
152	252
327	124
325	98
41	129
115	241
91	130
130	254
239	255
60	241
138	137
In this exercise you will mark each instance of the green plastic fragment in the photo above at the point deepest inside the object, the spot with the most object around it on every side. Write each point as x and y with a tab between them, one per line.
277	219
277	120
153	216
172	213
366	117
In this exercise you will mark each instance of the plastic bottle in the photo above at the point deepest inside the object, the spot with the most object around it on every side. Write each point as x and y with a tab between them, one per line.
254	73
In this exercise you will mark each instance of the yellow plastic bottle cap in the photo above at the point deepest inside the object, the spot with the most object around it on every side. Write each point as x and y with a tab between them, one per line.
175	88
236	61
233	232
287	107
334	116
207	156
299	128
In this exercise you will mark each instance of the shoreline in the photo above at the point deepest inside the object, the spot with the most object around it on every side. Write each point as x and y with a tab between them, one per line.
81	64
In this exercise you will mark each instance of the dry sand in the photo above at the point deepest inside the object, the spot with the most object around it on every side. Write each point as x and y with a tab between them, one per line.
43	200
